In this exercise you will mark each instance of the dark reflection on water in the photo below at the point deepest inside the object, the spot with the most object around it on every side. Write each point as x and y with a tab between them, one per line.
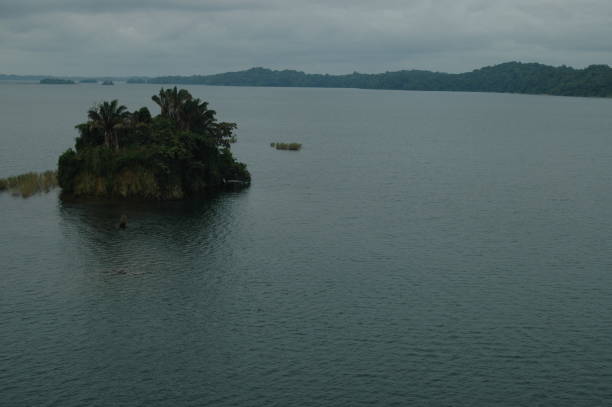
159	236
106	312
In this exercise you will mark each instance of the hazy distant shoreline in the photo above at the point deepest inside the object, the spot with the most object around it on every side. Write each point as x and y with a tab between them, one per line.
510	77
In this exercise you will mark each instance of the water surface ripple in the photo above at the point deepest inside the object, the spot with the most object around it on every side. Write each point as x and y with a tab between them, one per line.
434	249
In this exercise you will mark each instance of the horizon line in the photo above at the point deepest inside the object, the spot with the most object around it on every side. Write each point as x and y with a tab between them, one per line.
81	76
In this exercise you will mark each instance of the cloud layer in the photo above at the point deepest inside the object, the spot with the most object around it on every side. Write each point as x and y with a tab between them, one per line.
130	37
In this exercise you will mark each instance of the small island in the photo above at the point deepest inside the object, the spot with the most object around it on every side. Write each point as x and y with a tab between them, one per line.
107	83
286	146
182	152
88	81
56	81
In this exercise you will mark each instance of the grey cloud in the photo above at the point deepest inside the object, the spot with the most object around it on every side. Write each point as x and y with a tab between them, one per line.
187	37
20	8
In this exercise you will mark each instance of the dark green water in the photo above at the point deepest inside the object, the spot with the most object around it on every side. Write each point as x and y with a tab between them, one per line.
435	249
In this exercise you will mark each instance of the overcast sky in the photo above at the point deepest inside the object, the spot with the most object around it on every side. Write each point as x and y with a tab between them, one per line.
156	37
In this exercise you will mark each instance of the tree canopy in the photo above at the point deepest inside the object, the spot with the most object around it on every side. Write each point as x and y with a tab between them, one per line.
180	152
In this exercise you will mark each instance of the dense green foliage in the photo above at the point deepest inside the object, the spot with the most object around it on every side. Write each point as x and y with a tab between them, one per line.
182	151
512	77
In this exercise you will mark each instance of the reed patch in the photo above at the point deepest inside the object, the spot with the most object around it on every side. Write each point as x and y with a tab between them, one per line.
286	146
26	185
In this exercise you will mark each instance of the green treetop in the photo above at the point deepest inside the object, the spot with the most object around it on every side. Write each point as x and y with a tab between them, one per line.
180	152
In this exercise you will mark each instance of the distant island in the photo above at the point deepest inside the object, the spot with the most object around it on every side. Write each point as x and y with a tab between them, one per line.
76	79
56	81
511	77
181	152
107	83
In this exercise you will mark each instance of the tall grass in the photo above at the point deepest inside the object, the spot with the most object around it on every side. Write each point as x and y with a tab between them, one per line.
28	184
286	146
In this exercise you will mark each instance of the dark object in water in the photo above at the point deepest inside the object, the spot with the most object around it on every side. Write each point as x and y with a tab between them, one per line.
123	222
286	146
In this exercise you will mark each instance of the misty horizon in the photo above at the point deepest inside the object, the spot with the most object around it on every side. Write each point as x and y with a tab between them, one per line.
186	37
137	75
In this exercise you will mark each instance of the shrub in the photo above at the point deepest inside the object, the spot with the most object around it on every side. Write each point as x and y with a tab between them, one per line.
68	168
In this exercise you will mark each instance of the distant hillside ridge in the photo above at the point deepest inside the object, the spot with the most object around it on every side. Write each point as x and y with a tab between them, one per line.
509	77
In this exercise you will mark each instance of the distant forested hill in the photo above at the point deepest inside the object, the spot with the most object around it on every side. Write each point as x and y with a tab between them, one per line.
511	77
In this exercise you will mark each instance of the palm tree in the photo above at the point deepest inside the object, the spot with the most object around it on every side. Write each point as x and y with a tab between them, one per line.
107	116
192	114
195	115
171	102
179	99
163	100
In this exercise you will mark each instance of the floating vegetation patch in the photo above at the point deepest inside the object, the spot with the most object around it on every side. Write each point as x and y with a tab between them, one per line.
26	185
286	146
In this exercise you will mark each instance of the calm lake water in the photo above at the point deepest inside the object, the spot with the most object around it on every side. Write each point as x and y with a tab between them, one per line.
435	249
